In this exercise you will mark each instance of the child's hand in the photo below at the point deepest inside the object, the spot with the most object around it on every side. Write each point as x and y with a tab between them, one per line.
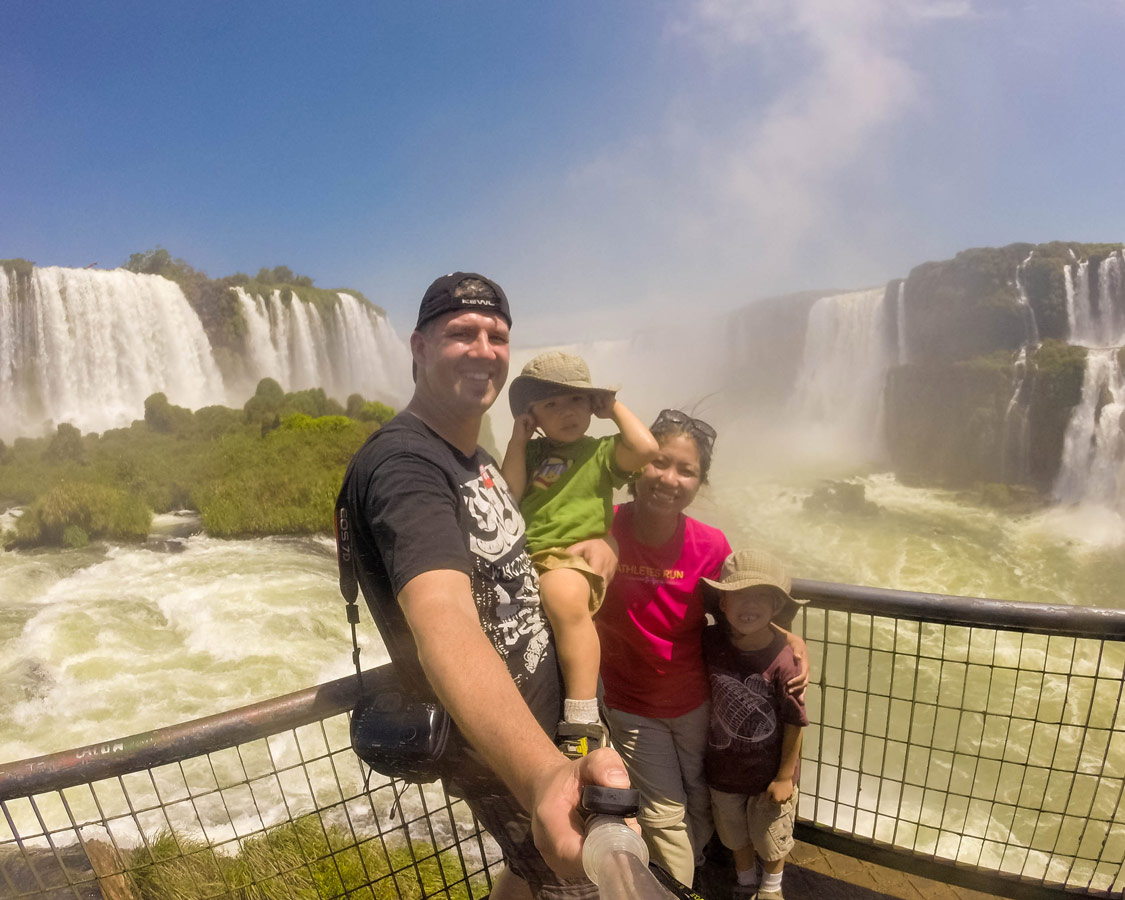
523	428
780	790
602	403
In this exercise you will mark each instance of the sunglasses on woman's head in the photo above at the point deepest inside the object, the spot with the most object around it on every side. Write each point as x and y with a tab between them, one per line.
676	417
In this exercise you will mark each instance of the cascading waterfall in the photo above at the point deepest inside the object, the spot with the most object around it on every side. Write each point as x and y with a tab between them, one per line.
900	322
86	347
1094	446
843	368
1017	431
1091	470
350	349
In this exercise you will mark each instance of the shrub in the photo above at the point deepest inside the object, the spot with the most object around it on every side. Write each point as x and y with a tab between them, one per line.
71	514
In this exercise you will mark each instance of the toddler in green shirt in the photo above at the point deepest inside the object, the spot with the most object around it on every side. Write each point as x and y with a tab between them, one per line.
564	482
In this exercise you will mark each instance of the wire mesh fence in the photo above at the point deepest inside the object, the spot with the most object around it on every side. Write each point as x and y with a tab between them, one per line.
991	739
981	736
288	814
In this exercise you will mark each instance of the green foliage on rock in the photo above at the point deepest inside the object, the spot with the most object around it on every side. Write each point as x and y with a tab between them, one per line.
1059	370
19	267
244	480
70	514
967	306
945	420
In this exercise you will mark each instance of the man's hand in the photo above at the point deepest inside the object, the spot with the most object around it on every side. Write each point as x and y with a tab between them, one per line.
556	822
601	553
780	790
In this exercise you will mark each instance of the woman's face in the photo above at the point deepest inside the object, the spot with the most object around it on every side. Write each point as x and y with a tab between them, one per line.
670	482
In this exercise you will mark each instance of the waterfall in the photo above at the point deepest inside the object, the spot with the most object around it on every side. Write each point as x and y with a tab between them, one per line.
348	349
900	322
1096	317
1016	451
840	385
1094	446
87	346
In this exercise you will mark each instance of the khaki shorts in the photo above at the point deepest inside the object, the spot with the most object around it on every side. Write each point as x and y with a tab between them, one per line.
742	819
558	558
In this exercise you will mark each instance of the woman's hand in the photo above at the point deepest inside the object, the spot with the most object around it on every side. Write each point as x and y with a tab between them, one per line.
601	553
797	684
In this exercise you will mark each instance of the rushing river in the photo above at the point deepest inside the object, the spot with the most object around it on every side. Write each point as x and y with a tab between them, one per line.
108	641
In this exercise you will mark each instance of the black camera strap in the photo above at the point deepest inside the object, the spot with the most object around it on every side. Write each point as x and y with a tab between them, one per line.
349	583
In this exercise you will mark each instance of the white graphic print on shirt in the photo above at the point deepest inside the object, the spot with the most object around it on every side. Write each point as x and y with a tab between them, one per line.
741	711
508	588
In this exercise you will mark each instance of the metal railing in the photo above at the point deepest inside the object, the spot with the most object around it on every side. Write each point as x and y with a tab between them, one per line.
264	802
976	741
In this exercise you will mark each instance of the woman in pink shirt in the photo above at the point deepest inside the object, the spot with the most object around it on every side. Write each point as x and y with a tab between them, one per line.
650	627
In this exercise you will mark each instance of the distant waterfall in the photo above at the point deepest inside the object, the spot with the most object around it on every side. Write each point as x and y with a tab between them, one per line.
903	356
840	386
1096	313
86	347
1017	431
350	349
1093	461
1094	446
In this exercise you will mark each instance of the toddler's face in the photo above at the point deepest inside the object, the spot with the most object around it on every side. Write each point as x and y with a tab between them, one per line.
749	611
564	418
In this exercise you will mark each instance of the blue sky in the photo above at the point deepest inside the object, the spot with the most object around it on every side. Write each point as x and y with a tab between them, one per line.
612	164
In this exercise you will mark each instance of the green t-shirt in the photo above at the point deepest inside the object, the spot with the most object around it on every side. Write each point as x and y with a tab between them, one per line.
569	494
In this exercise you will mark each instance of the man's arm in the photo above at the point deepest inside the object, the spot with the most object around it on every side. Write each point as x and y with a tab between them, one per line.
476	688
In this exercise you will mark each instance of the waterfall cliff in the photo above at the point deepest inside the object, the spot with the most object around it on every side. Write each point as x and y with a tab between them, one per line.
88	346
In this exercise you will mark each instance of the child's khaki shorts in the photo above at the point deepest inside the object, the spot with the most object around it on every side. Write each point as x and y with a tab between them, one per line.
742	819
558	558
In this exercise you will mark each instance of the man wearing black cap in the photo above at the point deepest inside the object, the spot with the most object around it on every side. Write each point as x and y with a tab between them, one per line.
442	564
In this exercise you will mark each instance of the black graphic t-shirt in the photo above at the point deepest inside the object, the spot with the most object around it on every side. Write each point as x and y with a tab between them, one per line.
418	505
749	708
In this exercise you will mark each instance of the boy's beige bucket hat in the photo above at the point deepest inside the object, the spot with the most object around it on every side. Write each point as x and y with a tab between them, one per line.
750	568
549	375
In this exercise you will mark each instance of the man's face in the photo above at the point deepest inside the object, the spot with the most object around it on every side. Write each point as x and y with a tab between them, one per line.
462	360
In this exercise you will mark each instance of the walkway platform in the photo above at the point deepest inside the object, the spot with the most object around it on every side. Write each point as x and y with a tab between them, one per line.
813	873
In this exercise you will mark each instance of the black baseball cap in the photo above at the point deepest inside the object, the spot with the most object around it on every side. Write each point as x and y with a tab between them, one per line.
441	297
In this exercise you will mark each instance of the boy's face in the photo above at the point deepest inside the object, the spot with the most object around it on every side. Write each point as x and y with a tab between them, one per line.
564	418
749	611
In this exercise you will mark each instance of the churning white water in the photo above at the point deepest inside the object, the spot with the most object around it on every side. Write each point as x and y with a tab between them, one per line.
1093	460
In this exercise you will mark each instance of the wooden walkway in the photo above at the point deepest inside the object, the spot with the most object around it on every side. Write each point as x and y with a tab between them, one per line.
813	873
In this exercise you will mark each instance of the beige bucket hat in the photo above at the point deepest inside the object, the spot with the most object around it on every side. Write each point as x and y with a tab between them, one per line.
750	568
549	375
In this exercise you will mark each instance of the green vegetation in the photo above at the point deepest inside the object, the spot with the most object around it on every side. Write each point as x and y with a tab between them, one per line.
1056	387
21	268
306	859
945	421
273	467
216	303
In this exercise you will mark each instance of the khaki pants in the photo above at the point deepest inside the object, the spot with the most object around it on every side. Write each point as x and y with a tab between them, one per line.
664	758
